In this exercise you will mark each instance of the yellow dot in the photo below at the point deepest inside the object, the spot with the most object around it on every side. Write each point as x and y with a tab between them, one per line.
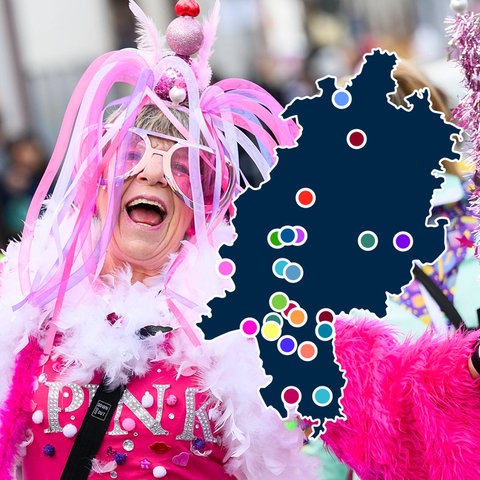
271	331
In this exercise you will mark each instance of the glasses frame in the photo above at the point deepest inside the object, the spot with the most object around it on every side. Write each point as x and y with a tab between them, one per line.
167	168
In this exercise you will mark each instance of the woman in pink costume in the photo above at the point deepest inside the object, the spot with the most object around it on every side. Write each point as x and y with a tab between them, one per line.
104	371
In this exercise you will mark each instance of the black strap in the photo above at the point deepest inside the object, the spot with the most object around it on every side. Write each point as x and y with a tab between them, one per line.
442	300
91	434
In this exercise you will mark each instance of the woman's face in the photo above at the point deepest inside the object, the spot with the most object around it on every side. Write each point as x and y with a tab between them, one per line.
151	223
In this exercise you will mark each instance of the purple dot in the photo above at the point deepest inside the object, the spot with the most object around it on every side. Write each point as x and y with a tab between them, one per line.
287	345
403	241
301	234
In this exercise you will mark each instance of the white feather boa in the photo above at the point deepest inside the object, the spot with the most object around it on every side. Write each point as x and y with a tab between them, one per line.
256	441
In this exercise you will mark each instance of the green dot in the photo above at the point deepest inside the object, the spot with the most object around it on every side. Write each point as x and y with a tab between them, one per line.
367	240
273	317
279	301
273	239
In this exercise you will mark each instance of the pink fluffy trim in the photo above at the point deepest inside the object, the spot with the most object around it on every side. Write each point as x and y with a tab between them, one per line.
412	409
16	410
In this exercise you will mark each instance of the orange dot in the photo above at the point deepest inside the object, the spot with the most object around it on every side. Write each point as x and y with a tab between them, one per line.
307	351
297	317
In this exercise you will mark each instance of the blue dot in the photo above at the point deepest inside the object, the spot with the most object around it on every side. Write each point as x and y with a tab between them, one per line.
279	266
322	396
324	331
288	235
341	98
293	273
287	345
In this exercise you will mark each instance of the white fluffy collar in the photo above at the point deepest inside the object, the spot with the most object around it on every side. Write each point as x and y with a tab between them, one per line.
88	340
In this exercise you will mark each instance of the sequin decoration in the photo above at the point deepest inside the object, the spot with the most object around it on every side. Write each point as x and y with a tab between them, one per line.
145	464
198	443
69	430
159	471
129	424
120	458
128	445
37	417
49	450
159	447
147	400
201	414
181	460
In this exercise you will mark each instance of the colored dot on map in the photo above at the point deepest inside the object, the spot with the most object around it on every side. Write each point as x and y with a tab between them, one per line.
301	236
297	317
305	197
325	315
289	307
367	240
226	267
273	239
293	273
271	331
322	396
356	138
324	331
279	266
249	327
341	98
273	317
403	241
307	351
287	345
278	301
288	235
291	395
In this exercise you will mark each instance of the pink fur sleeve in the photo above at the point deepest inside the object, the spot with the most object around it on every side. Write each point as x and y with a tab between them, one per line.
412	409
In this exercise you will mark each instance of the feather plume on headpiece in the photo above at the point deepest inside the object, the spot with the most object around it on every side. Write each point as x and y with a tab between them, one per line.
201	64
149	40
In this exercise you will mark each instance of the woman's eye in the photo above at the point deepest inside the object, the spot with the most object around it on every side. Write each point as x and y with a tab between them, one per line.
180	168
133	156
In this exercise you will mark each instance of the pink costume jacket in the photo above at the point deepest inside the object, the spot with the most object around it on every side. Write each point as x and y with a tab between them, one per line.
412	408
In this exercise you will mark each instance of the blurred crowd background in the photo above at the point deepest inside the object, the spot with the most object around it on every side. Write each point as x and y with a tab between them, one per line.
284	45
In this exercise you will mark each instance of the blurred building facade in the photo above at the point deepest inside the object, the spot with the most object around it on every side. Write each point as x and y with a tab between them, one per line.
283	44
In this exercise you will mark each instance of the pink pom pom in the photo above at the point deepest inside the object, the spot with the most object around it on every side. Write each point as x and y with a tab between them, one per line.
184	35
128	424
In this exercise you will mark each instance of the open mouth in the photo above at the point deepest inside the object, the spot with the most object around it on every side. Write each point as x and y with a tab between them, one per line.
146	212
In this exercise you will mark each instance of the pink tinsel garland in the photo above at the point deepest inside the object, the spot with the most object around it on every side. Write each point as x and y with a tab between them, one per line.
15	413
463	31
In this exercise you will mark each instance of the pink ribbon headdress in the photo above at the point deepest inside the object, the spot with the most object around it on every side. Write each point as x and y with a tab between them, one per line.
229	114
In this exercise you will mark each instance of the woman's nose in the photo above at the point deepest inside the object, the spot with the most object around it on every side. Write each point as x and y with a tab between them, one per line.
153	172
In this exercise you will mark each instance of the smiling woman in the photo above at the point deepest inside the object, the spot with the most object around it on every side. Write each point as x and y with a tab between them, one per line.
104	370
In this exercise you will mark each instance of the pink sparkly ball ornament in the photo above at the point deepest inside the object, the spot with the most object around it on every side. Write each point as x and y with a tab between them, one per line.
184	36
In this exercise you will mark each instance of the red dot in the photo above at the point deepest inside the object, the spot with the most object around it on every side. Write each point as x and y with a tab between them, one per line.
290	306
356	138
325	316
291	396
305	197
